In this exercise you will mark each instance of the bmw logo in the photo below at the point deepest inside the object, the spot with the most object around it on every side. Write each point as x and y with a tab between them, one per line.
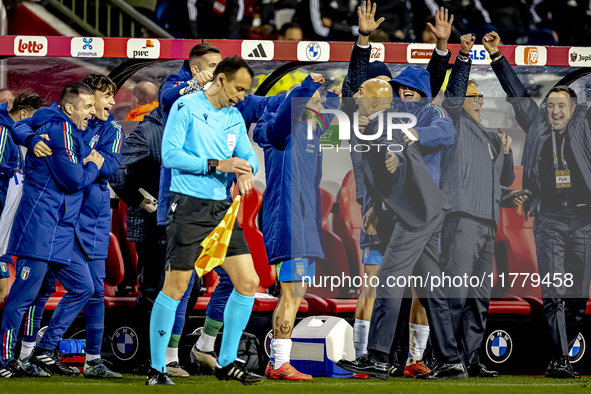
268	343
578	350
124	343
499	346
313	51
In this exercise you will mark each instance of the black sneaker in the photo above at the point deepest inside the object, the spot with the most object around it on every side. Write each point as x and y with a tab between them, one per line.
367	364
156	377
237	371
12	370
50	362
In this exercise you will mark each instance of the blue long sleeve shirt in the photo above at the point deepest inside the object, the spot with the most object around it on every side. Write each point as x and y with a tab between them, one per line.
195	132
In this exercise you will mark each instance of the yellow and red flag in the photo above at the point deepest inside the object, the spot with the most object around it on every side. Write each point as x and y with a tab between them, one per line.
215	245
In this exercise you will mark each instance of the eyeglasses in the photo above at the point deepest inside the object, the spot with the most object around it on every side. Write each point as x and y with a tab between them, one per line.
477	97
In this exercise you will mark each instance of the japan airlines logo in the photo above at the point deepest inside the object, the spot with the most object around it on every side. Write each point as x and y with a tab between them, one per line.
313	51
530	56
30	46
143	48
257	50
87	47
378	52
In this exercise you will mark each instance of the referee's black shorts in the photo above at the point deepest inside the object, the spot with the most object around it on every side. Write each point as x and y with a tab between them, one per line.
189	222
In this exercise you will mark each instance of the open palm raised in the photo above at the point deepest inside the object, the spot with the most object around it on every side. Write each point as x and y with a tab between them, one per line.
442	28
367	22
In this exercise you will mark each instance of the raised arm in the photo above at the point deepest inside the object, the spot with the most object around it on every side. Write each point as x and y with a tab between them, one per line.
437	66
359	62
526	109
291	109
457	85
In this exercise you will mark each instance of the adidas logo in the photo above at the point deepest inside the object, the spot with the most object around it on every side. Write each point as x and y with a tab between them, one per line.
258	52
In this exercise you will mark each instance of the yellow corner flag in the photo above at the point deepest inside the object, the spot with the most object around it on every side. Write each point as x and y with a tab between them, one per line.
215	245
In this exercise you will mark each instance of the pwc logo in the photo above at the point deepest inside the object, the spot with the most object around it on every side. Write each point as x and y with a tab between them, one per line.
142	48
378	52
419	53
530	56
30	46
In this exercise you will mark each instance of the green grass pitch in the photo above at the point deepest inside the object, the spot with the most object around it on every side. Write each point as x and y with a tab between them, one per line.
132	384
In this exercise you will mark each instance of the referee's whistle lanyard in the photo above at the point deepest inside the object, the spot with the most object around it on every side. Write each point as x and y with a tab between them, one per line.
556	164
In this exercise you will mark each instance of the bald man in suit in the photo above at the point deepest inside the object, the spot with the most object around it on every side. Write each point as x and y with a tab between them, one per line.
402	193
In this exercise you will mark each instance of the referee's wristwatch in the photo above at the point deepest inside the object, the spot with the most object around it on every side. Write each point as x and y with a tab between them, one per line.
212	165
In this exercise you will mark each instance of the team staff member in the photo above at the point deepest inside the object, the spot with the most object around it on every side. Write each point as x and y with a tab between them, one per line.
403	191
11	167
104	135
43	239
293	235
557	170
474	170
202	134
360	70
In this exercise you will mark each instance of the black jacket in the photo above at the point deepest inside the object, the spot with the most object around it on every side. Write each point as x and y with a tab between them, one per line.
140	168
470	179
533	119
410	192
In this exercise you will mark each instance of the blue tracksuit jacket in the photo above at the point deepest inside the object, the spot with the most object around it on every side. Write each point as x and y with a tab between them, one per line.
292	225
10	154
47	217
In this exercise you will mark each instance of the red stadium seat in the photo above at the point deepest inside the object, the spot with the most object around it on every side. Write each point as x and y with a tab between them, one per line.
509	306
268	304
115	272
347	224
249	209
515	247
317	305
335	261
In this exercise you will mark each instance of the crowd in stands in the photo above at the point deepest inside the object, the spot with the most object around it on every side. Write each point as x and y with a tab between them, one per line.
520	22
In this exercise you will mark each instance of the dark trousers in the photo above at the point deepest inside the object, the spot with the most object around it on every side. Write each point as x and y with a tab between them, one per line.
151	259
468	248
407	246
563	247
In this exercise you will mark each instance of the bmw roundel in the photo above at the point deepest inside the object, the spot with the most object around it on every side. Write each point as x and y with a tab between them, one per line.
268	343
124	343
499	346
578	350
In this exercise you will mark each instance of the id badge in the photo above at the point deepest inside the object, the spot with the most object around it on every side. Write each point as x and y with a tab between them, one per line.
562	179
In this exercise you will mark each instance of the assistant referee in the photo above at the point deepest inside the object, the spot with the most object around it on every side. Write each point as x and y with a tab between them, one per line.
203	133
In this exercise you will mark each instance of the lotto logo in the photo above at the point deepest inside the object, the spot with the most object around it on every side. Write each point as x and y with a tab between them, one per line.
30	46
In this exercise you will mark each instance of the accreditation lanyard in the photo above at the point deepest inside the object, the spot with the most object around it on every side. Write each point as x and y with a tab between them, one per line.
562	176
